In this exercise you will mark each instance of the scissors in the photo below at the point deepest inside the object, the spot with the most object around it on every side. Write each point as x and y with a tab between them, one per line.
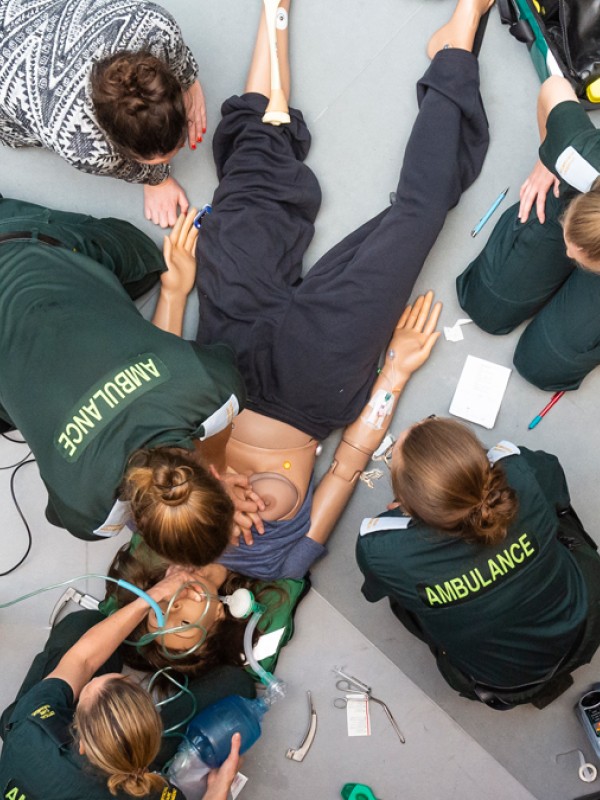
350	684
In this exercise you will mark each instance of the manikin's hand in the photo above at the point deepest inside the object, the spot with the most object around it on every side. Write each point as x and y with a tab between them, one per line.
412	342
160	202
247	505
179	253
195	110
535	190
220	780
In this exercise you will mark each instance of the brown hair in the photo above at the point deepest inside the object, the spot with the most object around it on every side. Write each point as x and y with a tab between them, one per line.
181	510
120	730
225	641
442	476
581	224
139	104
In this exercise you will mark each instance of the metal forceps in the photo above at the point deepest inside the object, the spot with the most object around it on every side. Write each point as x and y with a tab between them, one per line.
348	683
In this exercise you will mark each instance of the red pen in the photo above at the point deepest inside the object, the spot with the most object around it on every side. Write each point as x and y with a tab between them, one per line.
555	398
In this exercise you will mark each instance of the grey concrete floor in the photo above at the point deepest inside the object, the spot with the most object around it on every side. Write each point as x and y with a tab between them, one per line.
354	66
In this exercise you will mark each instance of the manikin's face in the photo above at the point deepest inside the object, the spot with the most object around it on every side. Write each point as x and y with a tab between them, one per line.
194	604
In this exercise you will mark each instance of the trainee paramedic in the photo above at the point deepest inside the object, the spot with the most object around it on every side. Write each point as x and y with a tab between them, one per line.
101	381
84	730
483	558
543	257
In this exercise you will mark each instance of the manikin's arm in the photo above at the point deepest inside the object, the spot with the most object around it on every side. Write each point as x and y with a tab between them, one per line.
81	661
178	281
409	348
554	90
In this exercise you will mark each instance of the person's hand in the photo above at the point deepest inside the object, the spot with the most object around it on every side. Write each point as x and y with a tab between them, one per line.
195	111
220	780
247	505
179	253
160	202
412	341
535	189
174	577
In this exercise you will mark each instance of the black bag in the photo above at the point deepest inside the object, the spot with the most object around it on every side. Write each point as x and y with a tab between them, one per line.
563	38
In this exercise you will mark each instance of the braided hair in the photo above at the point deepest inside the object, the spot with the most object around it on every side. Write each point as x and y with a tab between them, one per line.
442	476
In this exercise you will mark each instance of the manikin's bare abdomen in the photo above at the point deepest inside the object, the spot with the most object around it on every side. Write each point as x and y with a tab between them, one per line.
278	458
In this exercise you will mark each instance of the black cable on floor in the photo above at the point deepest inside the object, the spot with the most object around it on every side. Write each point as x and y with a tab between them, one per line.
10	439
17	467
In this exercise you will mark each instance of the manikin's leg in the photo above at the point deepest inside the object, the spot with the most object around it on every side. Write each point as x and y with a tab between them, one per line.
327	347
250	248
460	31
259	73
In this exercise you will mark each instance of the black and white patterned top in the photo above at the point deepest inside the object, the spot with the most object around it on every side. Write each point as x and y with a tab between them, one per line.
47	48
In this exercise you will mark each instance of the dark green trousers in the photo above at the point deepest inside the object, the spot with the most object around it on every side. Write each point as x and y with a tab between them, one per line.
524	272
113	243
215	685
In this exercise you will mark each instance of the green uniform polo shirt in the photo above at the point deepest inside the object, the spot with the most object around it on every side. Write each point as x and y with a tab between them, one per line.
39	761
569	126
87	380
505	614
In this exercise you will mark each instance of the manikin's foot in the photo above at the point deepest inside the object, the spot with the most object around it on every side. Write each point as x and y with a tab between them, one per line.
461	29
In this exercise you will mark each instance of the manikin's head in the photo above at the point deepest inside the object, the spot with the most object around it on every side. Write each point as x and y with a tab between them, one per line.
217	633
193	611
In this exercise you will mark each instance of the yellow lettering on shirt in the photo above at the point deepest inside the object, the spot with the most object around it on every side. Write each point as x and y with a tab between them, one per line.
15	794
474	582
104	401
43	712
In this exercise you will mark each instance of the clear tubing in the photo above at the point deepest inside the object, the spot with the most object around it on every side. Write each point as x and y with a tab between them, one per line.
274	687
124	584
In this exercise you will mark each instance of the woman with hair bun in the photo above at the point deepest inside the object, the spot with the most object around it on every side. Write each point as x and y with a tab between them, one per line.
80	729
109	86
180	505
483	558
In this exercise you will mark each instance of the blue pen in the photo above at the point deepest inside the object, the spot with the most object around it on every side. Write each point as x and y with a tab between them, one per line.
489	212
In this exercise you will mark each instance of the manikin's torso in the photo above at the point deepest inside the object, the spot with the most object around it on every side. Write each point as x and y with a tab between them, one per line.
278	458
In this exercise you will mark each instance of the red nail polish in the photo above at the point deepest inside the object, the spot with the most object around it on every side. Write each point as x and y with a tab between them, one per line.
193	147
204	129
198	138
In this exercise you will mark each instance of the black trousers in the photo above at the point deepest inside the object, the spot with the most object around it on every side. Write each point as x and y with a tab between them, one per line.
308	348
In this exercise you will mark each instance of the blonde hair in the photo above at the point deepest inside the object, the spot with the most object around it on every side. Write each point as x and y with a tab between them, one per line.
581	224
443	477
181	510
120	730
